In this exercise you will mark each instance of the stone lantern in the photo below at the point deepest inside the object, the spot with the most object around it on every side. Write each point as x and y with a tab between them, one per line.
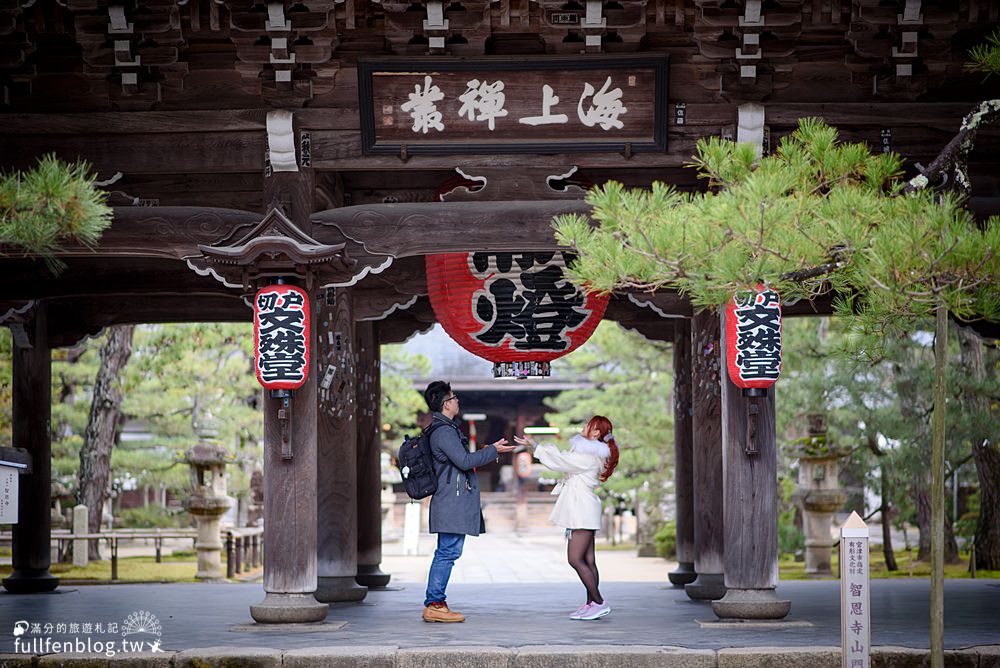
819	493
208	502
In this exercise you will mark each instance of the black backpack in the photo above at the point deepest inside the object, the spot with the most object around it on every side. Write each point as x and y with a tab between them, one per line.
416	464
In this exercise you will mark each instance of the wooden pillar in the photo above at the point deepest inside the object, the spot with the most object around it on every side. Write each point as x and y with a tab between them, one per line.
337	493
290	509
32	411
369	414
750	505
706	418
290	484
683	454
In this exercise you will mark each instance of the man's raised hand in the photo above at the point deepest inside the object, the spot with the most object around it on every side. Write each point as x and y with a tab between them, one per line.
502	446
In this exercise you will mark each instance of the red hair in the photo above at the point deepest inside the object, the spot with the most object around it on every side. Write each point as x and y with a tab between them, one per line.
603	426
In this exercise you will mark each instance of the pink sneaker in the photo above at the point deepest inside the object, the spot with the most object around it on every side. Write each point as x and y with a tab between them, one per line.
582	610
596	611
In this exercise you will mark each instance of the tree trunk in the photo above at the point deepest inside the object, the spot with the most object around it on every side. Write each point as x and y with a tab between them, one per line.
937	485
890	555
985	453
105	410
922	499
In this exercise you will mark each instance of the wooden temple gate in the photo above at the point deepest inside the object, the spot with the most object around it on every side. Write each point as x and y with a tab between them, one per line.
246	140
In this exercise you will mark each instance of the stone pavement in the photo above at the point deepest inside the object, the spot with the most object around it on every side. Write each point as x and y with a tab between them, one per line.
516	592
510	558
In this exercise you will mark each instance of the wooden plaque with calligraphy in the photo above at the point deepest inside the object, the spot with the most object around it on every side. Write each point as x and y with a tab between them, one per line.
513	105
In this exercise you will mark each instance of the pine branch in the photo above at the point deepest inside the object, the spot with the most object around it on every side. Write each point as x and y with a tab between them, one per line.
954	156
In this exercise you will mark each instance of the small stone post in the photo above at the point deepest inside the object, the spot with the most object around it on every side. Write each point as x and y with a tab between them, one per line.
80	527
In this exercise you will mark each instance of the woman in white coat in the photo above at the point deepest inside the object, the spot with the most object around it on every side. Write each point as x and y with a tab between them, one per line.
591	459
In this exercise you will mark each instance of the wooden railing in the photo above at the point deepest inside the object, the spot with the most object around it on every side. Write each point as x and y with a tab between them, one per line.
244	547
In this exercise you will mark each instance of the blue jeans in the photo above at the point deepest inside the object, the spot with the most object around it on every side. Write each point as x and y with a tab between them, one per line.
448	550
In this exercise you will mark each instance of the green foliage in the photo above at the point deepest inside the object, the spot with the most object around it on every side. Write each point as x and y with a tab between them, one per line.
154	516
877	412
762	221
179	378
633	384
665	540
51	204
401	404
817	216
986	57
790	537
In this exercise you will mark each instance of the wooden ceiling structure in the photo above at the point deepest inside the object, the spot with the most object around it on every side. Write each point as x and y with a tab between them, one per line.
201	117
169	102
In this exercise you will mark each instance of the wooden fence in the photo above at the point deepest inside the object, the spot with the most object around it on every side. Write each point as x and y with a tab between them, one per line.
244	547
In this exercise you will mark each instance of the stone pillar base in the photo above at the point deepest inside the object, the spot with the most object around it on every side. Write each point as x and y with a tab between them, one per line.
288	609
30	581
751	604
339	589
372	577
706	587
683	574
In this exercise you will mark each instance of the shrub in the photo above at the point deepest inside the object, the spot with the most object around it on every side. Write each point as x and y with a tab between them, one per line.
666	540
151	517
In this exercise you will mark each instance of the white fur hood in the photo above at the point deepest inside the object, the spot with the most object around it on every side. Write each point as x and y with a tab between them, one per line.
586	446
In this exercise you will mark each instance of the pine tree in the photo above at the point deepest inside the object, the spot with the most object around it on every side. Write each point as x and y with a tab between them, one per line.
817	217
52	204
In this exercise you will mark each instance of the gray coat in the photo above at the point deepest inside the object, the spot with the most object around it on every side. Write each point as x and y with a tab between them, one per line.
455	506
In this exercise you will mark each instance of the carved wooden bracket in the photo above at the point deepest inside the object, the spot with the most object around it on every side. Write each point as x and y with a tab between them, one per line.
275	247
517	184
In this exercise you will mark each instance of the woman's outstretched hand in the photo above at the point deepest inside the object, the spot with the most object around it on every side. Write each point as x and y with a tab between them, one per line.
525	441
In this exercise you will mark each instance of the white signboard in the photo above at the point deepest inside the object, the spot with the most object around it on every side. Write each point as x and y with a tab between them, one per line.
8	495
855	597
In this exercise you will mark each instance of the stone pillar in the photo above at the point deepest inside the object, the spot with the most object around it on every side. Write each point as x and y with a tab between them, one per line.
290	507
820	495
706	418
750	505
80	525
337	493
32	411
683	454
209	545
369	457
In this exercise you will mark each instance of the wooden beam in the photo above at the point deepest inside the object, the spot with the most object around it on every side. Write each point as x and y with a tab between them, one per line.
203	152
403	230
170	232
167	122
106	276
72	319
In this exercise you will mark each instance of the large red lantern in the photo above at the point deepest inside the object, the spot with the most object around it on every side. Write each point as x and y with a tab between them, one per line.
753	339
281	336
517	310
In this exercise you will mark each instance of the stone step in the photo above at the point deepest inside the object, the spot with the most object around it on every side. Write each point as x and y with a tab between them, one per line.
540	656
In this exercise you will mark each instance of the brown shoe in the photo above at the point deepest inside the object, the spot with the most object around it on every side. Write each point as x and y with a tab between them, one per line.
439	612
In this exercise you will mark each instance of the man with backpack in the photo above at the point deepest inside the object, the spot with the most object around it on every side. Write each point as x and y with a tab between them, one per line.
455	507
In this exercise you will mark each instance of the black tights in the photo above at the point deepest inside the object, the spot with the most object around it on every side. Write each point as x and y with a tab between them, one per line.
580	553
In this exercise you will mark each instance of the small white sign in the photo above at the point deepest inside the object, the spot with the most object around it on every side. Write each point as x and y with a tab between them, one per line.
8	495
855	596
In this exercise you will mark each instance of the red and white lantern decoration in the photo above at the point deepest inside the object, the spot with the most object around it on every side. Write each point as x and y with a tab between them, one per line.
517	310
753	339
281	336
